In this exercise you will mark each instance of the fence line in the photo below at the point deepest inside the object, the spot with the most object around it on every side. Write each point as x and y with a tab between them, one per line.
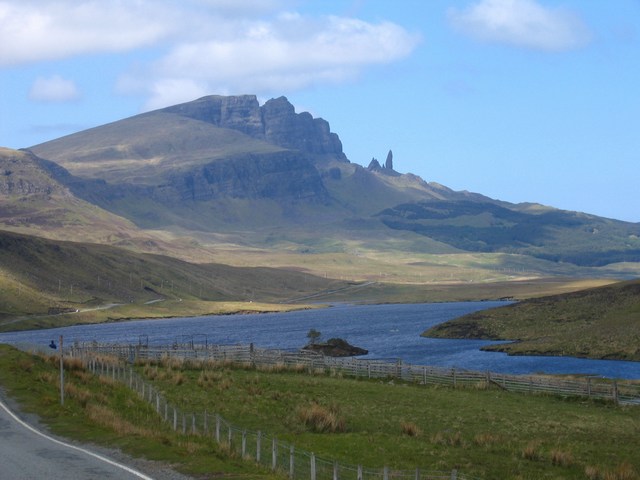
620	392
257	446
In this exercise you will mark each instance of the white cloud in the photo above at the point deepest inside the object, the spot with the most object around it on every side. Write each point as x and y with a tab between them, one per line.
522	23
290	52
179	48
35	30
54	89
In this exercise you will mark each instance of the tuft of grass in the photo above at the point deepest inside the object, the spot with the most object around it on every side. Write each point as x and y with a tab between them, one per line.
321	419
410	429
561	458
624	471
486	439
531	452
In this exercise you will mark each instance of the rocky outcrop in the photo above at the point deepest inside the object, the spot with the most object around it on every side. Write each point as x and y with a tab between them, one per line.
276	122
22	173
336	347
280	175
300	131
240	112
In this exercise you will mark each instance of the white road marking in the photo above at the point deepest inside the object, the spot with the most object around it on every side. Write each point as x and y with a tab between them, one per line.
73	447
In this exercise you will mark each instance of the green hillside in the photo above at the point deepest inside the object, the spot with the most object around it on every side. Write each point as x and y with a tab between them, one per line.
39	277
599	322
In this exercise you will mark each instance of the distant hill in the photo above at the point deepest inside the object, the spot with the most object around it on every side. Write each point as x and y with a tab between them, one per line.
264	176
37	275
601	322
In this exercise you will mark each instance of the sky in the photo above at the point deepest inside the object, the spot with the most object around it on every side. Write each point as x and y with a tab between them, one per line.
520	100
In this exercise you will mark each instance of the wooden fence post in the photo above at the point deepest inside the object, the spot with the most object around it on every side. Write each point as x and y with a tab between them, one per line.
244	443
184	424
175	419
312	462
274	453
360	472
217	428
258	446
193	423
417	474
335	470
615	392
385	473
292	461
454	474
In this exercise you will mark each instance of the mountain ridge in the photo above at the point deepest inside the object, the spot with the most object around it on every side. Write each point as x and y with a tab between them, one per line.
228	165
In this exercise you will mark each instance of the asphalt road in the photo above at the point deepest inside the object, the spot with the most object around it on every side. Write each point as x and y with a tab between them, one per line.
29	452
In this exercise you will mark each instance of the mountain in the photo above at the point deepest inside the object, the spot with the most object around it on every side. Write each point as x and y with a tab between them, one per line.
38	275
596	322
266	177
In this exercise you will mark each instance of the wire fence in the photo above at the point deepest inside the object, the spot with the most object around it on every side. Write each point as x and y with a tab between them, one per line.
619	392
257	446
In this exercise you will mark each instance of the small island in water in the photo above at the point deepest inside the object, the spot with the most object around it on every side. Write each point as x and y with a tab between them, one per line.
336	347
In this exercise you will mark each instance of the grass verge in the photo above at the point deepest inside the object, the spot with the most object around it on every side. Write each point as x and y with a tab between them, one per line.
101	411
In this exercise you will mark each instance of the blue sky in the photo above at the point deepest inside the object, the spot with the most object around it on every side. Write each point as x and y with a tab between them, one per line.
520	100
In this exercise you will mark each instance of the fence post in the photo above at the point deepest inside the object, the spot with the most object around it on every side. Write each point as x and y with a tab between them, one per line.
157	402
454	474
193	423
292	462
335	470
359	472
217	428
274	453
385	473
258	446
453	374
417	474
205	426
312	462
589	387
229	435
175	419
424	375
615	392
184	424
244	443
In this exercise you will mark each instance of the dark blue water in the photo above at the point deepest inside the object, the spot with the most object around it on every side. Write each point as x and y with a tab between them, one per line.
387	331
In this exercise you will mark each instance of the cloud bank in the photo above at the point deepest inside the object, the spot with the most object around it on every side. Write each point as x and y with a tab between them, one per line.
521	23
183	49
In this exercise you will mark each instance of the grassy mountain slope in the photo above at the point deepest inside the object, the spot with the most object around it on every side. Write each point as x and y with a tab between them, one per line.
550	234
37	275
600	322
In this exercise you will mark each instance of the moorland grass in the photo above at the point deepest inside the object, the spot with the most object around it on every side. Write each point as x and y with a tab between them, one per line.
489	434
485	433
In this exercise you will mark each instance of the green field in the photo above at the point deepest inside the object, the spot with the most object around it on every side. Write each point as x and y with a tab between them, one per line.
483	433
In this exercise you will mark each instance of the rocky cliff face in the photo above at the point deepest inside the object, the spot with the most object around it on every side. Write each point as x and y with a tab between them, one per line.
276	122
282	175
23	174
